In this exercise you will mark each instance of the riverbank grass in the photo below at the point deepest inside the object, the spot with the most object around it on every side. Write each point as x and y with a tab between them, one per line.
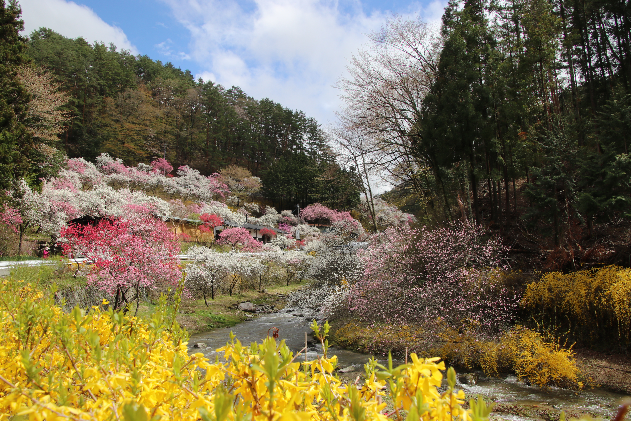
223	311
193	313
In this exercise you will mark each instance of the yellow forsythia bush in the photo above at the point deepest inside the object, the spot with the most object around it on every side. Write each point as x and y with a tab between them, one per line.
589	302
532	357
103	365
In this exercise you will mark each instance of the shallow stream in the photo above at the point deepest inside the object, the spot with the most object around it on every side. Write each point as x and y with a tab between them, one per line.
514	399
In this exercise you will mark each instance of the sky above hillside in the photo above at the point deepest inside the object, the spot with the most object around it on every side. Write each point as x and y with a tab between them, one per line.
291	51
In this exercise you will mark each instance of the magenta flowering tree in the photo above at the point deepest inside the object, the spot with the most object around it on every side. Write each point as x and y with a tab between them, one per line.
162	166
125	255
239	239
343	224
422	275
10	218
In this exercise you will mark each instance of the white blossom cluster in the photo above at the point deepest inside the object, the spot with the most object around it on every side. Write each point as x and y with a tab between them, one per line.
53	207
217	270
307	232
386	214
189	183
270	219
252	208
335	266
319	302
222	211
281	242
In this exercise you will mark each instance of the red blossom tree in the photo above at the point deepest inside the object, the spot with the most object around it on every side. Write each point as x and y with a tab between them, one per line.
209	222
125	255
269	232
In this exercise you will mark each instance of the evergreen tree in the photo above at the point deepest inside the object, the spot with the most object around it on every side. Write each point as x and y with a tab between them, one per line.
456	125
15	141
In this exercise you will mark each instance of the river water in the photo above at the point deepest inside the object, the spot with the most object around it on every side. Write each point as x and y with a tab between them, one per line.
514	399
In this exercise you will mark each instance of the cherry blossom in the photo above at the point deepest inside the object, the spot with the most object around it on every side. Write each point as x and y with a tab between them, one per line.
420	275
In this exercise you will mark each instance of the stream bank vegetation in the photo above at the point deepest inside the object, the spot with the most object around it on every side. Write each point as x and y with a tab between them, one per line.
102	364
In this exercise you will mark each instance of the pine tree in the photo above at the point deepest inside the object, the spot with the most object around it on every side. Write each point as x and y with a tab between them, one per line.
456	123
15	142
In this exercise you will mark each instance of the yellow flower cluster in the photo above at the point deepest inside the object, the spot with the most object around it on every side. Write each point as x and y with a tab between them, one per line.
541	362
590	302
519	350
103	365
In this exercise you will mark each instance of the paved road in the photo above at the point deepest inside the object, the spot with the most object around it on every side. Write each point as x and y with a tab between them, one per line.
5	267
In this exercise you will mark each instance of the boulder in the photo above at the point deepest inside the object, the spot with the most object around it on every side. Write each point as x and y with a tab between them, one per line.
247	306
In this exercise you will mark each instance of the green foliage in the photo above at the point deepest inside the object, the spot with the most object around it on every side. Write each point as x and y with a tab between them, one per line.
300	179
15	142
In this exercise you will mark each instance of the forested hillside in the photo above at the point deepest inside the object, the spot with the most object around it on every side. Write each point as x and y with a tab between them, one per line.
517	115
87	99
135	108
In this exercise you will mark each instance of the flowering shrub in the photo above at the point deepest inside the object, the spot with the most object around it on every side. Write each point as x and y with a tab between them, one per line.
125	254
252	208
286	228
590	304
306	232
318	213
212	272
268	219
104	365
333	265
519	350
268	232
416	275
209	222
295	263
239	239
282	242
162	166
286	217
105	189
10	219
221	210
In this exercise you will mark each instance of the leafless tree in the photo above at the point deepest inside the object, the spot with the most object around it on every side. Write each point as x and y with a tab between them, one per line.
383	95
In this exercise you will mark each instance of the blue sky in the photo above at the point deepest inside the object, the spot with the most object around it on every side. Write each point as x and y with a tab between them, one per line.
291	51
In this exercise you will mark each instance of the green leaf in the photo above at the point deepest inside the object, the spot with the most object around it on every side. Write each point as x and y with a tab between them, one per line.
135	412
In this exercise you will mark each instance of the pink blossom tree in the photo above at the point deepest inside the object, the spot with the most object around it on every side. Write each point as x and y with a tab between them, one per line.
239	239
11	218
162	166
318	213
125	255
10	222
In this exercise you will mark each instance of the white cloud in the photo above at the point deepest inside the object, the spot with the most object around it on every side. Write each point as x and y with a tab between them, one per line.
72	20
291	51
165	48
